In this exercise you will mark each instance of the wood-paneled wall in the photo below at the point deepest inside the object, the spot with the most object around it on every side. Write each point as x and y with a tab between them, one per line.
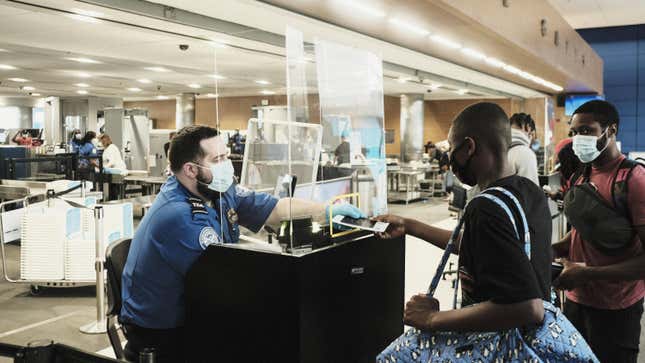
161	112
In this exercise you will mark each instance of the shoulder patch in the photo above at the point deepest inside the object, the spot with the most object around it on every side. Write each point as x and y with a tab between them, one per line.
208	236
241	191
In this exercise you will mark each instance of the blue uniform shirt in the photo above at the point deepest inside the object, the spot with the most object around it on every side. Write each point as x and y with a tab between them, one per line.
172	235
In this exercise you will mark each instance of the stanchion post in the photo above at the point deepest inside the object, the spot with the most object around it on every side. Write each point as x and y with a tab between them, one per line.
100	325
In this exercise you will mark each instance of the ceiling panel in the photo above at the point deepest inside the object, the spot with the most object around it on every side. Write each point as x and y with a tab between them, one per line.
601	13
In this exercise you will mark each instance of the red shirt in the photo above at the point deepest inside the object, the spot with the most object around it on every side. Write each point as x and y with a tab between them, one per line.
612	295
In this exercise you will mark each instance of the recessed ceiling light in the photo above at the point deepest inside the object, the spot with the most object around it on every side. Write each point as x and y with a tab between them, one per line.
265	92
160	97
445	42
194	85
7	66
82	85
377	13
134	89
218	44
462	91
495	62
409	26
83	60
143	80
216	76
35	94
3	50
81	92
212	95
402	80
84	18
434	86
20	80
473	53
83	75
157	69
509	68
28	88
95	14
261	81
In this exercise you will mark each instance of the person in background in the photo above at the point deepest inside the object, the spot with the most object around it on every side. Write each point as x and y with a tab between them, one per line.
166	146
76	140
23	137
238	146
520	155
87	155
112	161
566	164
604	261
342	152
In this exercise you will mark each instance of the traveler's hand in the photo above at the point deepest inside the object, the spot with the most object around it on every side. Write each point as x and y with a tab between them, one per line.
420	310
344	209
395	229
573	275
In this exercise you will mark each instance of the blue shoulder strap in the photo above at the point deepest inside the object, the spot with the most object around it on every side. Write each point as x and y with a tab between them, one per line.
450	247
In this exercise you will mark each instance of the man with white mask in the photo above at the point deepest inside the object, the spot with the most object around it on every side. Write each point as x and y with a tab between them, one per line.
198	206
604	263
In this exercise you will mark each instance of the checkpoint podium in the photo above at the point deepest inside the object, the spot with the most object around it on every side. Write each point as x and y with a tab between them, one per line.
341	303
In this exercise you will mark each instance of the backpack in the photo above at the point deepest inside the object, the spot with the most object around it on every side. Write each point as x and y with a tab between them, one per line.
606	226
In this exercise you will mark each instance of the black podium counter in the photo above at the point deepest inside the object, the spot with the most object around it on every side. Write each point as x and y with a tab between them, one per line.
342	303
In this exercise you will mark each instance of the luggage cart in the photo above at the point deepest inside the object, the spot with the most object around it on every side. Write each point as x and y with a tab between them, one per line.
35	285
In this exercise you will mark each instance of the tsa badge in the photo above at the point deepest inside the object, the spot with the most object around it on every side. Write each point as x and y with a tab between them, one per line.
232	216
208	236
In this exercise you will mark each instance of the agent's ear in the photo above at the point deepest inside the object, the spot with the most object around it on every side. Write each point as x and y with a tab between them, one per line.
472	146
190	170
612	130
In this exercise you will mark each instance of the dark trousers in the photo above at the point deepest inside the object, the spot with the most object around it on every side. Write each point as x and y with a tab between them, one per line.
168	344
613	335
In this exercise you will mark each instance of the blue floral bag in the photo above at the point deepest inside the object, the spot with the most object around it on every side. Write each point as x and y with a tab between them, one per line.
555	340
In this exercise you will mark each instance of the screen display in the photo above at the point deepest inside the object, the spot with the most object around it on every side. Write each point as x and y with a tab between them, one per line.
574	101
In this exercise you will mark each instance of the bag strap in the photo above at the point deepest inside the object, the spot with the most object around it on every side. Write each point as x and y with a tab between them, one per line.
515	143
450	247
623	173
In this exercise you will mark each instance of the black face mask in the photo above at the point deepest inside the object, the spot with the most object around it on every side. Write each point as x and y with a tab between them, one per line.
461	171
203	189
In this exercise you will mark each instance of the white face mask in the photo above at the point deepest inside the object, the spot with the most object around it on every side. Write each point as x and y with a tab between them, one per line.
95	142
586	149
222	173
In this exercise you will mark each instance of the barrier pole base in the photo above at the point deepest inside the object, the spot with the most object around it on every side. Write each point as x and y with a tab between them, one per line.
95	327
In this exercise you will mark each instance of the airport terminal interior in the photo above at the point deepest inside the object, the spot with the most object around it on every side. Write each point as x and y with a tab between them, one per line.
285	181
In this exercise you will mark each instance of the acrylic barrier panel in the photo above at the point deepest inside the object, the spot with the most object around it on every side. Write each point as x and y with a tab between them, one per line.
274	147
350	86
297	107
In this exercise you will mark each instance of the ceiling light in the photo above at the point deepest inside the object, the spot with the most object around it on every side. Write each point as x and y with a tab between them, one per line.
435	86
216	76
409	26
260	81
82	85
20	80
194	85
377	13
265	92
84	18
7	67
473	53
83	75
28	88
462	91
157	69
134	89
402	80
83	60
162	97
446	42
81	92
95	14
143	80
509	68
495	62
212	95
218	44
35	94
3	50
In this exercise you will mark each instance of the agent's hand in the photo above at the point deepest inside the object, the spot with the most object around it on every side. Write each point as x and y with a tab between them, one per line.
573	275
419	311
344	209
395	229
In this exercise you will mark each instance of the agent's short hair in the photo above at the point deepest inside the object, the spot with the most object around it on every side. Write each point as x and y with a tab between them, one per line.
185	147
603	112
487	124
